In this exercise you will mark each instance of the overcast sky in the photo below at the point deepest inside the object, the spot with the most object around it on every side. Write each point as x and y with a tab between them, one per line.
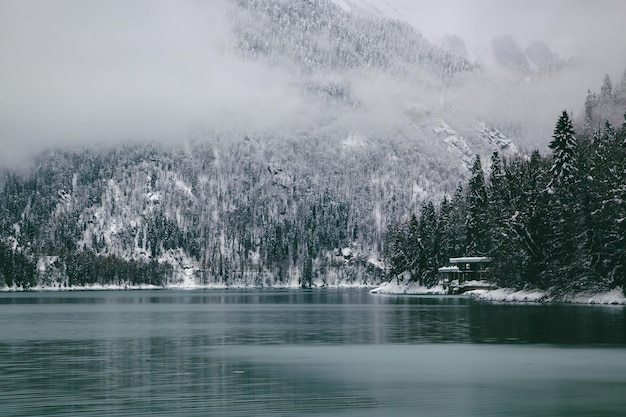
74	71
591	32
78	71
580	28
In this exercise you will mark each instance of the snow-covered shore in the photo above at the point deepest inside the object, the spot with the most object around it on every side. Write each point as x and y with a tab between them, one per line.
505	295
393	287
613	297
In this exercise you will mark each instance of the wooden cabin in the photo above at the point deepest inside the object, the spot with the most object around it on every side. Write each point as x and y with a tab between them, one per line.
465	269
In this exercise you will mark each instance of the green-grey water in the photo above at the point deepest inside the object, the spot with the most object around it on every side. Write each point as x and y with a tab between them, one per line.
317	353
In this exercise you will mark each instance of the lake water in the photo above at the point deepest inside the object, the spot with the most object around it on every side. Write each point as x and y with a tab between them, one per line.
305	353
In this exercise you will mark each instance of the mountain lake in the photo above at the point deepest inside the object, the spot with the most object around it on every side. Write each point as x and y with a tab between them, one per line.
305	353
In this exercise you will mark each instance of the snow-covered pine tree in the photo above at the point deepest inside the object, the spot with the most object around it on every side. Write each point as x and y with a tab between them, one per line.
606	91
564	205
612	210
406	250
563	145
620	91
398	260
429	244
458	216
590	187
607	99
499	211
591	102
477	224
414	249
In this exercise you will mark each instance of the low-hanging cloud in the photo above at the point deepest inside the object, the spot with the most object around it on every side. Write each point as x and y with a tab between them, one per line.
77	72
590	34
87	72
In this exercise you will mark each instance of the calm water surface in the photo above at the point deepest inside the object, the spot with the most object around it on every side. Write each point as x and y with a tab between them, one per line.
317	353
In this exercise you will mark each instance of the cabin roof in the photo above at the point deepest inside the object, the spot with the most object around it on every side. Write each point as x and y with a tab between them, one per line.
470	260
449	269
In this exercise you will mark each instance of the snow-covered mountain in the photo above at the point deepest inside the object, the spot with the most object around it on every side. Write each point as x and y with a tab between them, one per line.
362	76
379	120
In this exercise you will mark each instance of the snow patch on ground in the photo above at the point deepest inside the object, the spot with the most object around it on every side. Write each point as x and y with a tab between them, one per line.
393	287
184	268
45	262
86	287
496	138
454	142
354	141
154	196
184	187
376	262
615	296
508	295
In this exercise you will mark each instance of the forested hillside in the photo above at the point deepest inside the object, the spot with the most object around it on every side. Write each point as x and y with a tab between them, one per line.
320	35
309	202
554	222
223	210
378	123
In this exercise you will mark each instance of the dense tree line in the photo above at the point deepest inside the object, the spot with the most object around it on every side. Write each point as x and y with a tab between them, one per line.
267	212
85	267
555	222
16	268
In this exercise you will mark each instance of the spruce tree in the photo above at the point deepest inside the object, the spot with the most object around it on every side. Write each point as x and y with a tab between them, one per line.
499	213
607	99
497	196
620	91
414	249
406	250
590	187
591	102
612	211
429	243
563	205
606	91
445	228
457	234
397	260
563	145
477	214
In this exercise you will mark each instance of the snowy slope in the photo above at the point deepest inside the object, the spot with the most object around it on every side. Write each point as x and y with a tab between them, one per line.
370	8
377	128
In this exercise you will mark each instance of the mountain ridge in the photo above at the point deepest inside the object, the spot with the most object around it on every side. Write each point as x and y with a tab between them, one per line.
307	202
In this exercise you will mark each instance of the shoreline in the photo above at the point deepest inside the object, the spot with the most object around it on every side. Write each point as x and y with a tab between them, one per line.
508	295
498	295
147	287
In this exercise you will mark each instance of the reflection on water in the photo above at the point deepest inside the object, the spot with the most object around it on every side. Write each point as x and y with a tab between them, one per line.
278	353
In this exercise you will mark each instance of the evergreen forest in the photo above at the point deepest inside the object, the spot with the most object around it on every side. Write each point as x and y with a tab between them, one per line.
555	222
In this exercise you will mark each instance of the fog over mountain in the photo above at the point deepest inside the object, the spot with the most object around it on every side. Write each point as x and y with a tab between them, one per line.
589	36
97	72
255	142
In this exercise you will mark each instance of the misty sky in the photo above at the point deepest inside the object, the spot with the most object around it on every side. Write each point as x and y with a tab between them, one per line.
571	27
75	71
